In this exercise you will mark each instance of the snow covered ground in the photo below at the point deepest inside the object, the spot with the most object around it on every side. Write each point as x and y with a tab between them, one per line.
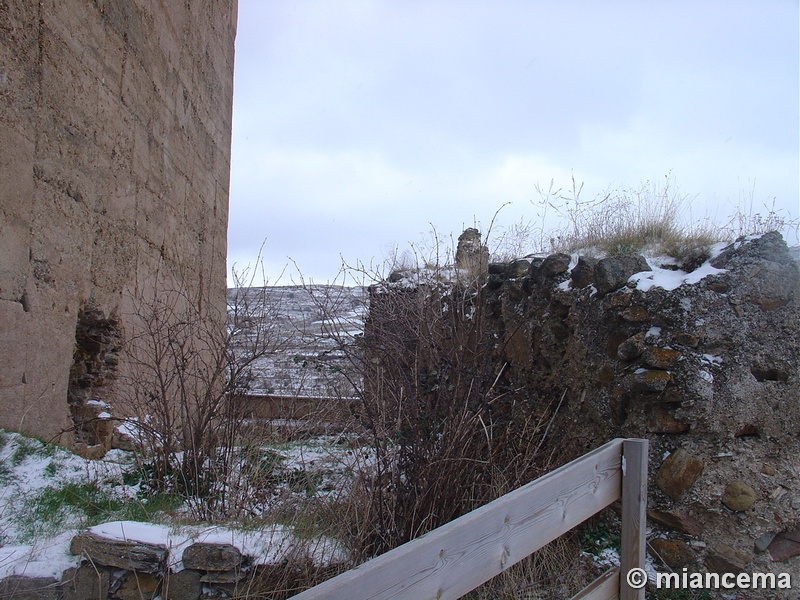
48	494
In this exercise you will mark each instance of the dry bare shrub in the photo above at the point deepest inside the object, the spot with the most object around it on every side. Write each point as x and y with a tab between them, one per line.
620	221
749	219
427	400
187	370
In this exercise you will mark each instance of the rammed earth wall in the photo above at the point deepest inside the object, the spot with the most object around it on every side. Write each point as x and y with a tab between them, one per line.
115	124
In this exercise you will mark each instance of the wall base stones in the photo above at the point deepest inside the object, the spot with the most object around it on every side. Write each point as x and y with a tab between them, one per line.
132	570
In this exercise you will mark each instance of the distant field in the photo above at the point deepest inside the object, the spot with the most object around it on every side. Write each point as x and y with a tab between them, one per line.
307	326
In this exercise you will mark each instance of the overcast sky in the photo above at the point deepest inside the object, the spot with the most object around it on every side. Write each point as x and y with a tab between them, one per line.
359	126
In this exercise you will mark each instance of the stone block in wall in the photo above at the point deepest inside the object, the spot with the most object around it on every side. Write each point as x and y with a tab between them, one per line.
649	380
212	557
612	273
137	586
686	339
124	441
661	358
632	348
95	452
86	581
678	473
183	585
214	594
20	587
771	276
231	578
555	264
635	314
130	555
471	254
517	268
582	274
494	281
497	268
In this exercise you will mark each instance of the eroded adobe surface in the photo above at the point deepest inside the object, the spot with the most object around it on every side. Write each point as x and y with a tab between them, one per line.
115	122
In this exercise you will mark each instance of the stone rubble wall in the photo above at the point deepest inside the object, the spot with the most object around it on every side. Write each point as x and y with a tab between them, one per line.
130	570
709	372
115	125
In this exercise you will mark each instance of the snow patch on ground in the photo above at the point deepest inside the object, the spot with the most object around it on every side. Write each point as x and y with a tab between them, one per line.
46	558
266	546
34	547
667	277
711	359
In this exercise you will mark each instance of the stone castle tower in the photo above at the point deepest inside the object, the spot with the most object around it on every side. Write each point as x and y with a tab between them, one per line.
115	133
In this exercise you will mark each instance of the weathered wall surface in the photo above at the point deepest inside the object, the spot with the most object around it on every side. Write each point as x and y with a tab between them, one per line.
709	372
115	121
705	365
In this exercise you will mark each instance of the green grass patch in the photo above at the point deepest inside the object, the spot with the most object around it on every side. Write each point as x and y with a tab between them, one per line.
147	509
261	464
598	537
52	468
303	480
87	498
84	505
30	447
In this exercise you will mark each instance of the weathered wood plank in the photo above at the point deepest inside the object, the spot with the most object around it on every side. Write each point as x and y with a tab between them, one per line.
459	556
634	514
605	587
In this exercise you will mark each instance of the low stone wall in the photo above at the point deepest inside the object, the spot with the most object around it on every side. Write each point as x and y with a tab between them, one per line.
134	570
709	371
701	356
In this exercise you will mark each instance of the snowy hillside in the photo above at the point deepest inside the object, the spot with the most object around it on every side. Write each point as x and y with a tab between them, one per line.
306	326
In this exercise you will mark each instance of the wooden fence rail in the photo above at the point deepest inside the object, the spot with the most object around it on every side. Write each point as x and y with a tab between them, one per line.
454	559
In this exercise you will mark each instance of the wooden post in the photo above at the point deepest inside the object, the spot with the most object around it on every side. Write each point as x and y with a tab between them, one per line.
634	515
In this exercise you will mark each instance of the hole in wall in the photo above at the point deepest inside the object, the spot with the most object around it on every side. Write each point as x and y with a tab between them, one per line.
98	341
769	373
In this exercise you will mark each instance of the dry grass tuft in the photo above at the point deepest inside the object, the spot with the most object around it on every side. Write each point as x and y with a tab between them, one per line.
654	218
